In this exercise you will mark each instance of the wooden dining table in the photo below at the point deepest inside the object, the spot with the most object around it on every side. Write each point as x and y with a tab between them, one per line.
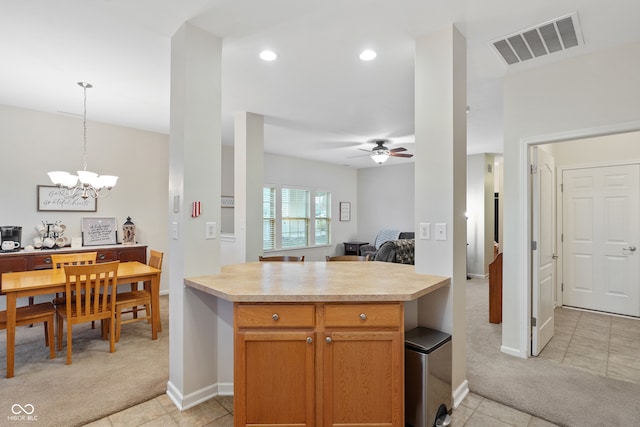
41	282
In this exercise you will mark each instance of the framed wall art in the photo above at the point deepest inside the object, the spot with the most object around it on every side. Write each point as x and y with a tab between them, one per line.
53	199
345	211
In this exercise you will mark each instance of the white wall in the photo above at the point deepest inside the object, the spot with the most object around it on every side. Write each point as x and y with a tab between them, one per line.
590	95
480	215
597	151
34	143
385	199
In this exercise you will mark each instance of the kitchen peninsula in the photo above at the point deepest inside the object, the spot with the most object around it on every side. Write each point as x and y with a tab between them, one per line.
320	343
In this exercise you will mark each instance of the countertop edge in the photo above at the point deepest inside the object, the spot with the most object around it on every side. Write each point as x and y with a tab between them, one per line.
193	283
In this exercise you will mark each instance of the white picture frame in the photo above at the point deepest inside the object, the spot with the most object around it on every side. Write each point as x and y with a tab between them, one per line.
345	211
99	231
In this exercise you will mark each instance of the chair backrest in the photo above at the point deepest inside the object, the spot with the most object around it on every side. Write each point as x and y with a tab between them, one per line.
284	258
93	290
155	259
348	258
82	258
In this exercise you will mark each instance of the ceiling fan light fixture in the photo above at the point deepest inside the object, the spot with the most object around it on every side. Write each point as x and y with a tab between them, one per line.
380	156
268	55
368	55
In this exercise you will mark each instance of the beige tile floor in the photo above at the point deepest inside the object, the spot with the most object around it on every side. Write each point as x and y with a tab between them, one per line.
601	343
475	411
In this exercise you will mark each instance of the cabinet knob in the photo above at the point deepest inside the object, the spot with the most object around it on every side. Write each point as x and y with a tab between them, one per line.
275	316
363	316
102	256
47	260
328	340
309	340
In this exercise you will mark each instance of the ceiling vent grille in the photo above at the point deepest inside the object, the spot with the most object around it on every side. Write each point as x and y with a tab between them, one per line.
552	36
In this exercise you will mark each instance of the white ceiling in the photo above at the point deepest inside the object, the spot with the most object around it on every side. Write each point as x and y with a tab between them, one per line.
319	100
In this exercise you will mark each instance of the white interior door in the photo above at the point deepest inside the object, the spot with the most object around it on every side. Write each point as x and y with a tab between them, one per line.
600	235
543	250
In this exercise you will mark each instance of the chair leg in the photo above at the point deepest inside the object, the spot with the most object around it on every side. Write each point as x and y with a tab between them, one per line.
118	321
50	338
112	338
60	322
46	333
69	342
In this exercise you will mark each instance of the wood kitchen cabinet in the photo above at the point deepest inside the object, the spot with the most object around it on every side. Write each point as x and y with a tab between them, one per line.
322	364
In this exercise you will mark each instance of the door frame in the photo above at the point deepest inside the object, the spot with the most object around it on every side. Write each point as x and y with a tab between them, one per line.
524	264
560	214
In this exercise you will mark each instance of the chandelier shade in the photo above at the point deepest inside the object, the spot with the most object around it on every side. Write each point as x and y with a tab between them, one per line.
85	184
380	156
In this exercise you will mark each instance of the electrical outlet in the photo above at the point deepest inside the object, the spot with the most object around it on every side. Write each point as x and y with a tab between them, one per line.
210	230
425	231
441	231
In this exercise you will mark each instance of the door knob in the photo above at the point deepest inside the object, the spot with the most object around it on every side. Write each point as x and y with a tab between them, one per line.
631	248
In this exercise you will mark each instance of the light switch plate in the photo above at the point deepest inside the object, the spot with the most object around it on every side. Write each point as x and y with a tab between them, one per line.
425	231
210	230
174	230
441	231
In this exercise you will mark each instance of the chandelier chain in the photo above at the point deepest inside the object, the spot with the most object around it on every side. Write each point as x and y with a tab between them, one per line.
84	127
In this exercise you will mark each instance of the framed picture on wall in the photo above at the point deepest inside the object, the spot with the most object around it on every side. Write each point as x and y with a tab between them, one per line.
345	211
53	199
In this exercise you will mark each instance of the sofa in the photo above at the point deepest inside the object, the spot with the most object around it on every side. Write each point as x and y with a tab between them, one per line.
400	249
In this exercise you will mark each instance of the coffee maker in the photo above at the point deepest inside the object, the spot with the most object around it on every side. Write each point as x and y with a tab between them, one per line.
11	233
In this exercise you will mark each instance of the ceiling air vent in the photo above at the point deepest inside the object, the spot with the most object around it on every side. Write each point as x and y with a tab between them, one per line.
552	36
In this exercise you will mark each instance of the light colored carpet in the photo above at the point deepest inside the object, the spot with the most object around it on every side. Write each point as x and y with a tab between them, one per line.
96	384
558	393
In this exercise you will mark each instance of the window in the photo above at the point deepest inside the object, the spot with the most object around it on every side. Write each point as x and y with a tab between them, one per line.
297	218
268	218
323	217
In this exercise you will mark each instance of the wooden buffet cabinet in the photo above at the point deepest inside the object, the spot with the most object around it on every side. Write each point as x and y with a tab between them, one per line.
41	259
319	343
319	364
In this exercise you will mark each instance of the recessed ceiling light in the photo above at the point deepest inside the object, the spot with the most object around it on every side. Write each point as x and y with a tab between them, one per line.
367	55
268	55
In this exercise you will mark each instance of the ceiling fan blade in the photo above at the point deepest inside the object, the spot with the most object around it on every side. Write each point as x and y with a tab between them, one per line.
396	150
400	155
362	155
362	149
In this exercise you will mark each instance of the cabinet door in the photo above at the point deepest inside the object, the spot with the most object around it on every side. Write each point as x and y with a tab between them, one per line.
363	378
274	378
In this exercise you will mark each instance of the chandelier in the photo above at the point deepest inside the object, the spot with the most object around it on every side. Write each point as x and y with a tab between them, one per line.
85	184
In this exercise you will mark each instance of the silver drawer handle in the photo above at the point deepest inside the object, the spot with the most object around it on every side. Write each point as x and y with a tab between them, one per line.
328	340
309	340
275	316
363	316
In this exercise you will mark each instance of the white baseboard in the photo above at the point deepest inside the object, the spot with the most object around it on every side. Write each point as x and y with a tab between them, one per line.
460	393
478	276
512	352
184	402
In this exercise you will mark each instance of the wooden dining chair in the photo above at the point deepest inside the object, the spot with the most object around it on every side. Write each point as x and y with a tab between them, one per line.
91	295
284	258
61	260
137	300
35	313
348	258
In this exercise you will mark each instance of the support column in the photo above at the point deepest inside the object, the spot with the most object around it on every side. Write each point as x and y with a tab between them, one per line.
440	186
194	176
248	162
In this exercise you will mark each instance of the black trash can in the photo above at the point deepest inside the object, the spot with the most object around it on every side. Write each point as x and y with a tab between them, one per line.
427	378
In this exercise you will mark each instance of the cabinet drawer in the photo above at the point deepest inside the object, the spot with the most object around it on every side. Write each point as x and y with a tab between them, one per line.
363	315
106	256
274	316
40	262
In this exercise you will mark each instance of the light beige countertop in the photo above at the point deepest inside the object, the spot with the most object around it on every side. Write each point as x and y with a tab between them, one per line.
345	281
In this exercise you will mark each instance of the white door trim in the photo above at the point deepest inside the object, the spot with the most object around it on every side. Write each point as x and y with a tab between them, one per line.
523	265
